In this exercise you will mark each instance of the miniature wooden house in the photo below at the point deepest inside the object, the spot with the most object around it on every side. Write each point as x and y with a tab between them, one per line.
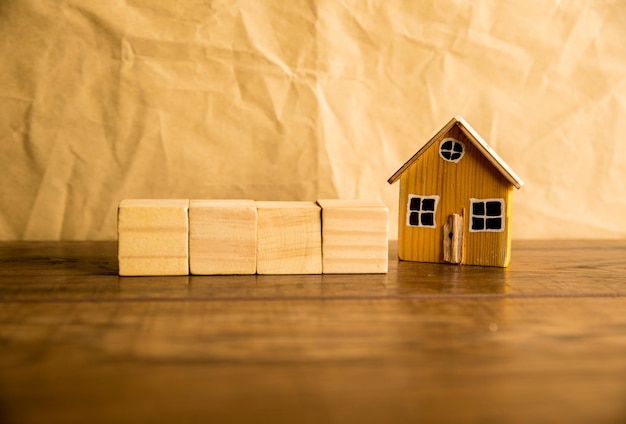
455	201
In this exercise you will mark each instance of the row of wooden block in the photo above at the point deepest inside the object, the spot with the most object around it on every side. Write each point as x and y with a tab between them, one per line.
211	237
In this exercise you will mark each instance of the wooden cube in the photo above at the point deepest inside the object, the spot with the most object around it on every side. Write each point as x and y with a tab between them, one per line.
222	237
289	239
354	236
153	237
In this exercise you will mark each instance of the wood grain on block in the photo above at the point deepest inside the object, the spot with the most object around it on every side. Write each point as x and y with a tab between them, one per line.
153	237
354	236
289	238
222	237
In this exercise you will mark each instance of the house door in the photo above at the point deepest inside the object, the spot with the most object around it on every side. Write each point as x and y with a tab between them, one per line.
453	239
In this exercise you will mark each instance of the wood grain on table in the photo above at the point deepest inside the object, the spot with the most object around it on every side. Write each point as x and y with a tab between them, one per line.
541	341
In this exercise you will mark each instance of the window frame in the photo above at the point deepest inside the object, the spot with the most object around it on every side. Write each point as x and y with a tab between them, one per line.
454	141
484	216
422	198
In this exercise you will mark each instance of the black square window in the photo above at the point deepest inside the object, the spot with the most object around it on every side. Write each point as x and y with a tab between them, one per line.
428	205
421	211
494	223
415	204
478	224
478	208
428	219
494	208
487	215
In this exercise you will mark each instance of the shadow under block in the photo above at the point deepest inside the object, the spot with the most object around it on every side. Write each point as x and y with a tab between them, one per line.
289	239
222	237
153	237
354	236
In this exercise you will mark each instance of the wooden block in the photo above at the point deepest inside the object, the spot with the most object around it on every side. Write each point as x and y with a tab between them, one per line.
289	239
222	236
153	237
354	236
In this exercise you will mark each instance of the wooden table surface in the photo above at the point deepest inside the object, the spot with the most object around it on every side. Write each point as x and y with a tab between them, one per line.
543	341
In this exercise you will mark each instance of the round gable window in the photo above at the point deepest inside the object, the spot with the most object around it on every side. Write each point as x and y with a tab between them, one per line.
451	150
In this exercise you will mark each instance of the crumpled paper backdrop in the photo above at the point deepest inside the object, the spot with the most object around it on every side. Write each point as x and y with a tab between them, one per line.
300	100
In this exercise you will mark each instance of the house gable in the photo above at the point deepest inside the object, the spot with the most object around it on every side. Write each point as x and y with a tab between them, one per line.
476	140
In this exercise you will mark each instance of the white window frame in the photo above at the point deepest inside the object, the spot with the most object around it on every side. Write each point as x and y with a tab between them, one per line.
409	211
454	141
484	216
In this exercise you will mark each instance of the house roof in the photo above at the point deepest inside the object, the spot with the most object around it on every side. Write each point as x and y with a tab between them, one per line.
476	140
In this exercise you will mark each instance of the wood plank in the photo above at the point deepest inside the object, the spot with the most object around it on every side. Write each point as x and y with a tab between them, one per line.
431	360
74	271
541	341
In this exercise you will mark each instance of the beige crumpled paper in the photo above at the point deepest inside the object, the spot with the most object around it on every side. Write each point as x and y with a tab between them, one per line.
101	101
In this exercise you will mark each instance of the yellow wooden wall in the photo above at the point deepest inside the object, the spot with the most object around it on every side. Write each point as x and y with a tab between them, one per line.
472	177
